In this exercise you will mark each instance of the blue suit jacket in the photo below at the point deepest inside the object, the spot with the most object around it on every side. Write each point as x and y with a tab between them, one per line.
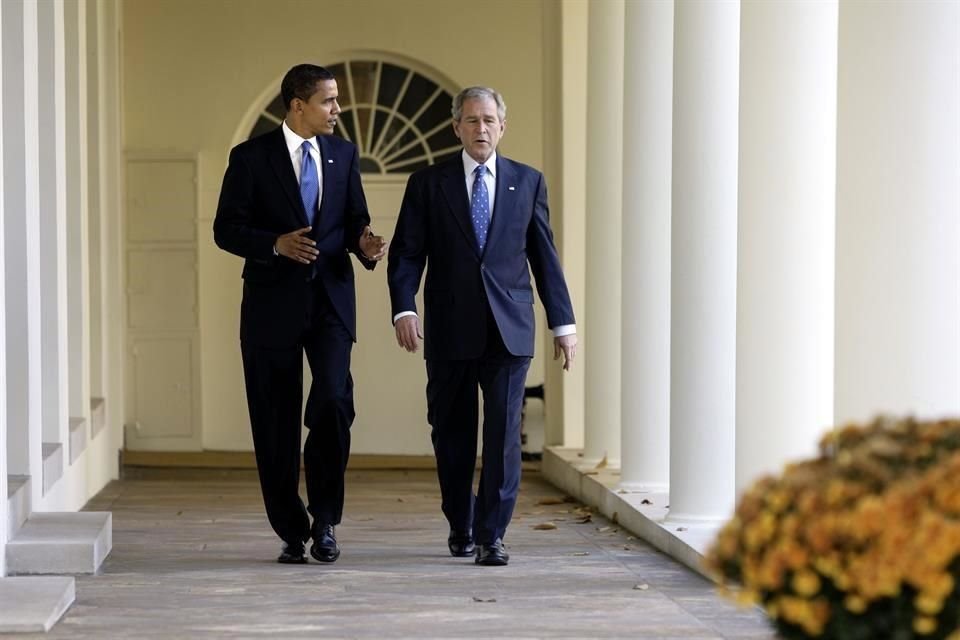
260	200
434	232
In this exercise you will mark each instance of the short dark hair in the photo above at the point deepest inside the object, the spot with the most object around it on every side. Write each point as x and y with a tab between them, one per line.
301	82
471	93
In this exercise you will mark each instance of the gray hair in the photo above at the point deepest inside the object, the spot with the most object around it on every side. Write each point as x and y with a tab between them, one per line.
478	92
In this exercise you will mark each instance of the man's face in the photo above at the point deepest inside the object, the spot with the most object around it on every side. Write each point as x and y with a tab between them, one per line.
319	114
479	128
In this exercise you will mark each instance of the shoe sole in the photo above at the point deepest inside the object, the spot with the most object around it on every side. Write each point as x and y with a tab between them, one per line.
491	563
463	554
300	560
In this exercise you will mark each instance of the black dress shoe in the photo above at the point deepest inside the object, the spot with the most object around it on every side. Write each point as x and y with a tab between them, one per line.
324	547
460	543
292	553
492	555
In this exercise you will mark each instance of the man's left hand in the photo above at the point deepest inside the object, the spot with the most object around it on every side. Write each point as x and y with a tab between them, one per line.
373	247
567	345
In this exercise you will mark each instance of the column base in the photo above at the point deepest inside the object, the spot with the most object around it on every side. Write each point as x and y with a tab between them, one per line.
642	513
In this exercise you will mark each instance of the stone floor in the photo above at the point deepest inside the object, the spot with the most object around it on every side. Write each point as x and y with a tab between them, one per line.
193	557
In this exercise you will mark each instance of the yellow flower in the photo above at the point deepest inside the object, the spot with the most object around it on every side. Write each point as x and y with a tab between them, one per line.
930	605
924	625
806	583
854	603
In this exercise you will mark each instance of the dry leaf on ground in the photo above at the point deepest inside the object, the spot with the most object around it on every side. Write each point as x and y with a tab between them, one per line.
544	526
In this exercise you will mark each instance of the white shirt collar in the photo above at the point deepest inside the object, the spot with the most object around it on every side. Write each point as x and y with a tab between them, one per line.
469	164
294	141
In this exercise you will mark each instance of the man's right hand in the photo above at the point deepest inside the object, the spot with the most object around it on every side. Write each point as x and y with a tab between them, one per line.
408	333
297	246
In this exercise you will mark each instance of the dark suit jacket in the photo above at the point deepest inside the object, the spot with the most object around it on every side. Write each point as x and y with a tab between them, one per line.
259	201
461	285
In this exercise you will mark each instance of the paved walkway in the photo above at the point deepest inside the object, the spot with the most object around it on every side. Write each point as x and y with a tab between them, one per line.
193	557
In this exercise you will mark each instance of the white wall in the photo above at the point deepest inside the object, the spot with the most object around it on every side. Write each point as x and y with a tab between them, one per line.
196	97
898	209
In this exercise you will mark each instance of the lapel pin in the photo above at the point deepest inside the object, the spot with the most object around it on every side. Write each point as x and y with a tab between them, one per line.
512	188
330	160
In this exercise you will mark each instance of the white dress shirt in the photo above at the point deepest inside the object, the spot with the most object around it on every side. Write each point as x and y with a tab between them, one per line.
294	142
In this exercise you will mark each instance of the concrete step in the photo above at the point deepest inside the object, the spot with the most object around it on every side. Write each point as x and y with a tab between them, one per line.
34	604
18	503
61	543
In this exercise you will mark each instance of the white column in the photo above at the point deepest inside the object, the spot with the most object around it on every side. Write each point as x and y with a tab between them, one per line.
704	260
110	17
95	199
22	240
52	150
4	470
601	345
568	18
647	123
788	97
898	198
77	232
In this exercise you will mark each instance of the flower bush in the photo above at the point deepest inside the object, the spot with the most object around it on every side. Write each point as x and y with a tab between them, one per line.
860	543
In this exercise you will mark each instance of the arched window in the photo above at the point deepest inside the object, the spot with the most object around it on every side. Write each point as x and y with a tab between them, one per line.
398	118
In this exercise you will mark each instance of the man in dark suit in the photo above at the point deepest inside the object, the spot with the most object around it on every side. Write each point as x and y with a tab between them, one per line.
292	206
480	222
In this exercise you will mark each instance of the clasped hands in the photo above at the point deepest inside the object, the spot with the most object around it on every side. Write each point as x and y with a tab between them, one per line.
298	246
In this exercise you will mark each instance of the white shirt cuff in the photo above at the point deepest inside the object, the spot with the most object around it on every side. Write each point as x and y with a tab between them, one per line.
403	313
564	330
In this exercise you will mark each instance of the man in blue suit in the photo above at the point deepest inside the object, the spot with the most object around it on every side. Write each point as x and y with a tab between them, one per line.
293	207
479	224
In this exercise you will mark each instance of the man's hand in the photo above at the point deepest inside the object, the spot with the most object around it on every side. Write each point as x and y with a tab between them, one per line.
297	246
567	345
408	333
373	247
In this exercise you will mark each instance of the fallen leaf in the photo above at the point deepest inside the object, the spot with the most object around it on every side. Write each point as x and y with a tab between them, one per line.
622	491
544	526
631	538
645	501
603	529
641	587
584	519
615	518
580	553
549	501
627	547
602	464
681	528
592	473
476	599
399	499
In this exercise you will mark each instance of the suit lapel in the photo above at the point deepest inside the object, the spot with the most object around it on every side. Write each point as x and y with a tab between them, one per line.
503	200
327	162
280	161
454	186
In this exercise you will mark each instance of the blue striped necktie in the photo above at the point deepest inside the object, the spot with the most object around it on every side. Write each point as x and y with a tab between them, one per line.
480	206
309	187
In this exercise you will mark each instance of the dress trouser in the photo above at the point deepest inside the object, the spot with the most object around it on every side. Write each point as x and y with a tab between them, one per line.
274	383
453	409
